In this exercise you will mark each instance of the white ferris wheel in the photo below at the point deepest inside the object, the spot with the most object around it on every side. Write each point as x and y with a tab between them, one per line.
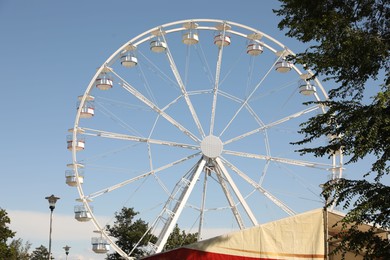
191	123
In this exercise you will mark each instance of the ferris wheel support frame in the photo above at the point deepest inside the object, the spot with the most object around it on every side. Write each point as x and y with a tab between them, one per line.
219	162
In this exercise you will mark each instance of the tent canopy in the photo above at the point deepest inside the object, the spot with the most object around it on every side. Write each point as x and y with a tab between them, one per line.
296	237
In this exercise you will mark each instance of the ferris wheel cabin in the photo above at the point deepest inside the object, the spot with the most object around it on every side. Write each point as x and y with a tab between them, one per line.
81	213
222	40
79	143
254	49
71	178
100	245
104	82
306	89
88	109
190	38
158	46
129	60
283	66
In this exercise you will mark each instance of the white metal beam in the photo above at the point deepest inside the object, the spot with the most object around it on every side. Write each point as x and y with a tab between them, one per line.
229	198
171	222
216	83
202	208
272	124
322	166
105	134
237	192
243	104
183	88
154	107
266	193
124	183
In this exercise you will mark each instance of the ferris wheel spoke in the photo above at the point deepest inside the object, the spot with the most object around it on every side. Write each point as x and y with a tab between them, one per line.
245	102
206	66
272	124
154	107
321	166
221	171
183	88
202	208
264	172
139	177
186	185
217	79
258	187
111	135
260	122
153	67
229	198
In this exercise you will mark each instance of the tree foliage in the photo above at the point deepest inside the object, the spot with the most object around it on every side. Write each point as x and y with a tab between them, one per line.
40	253
180	238
350	39
5	234
350	45
371	206
18	251
130	232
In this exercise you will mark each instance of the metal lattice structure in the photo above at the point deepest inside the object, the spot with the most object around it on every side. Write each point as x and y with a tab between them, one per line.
191	122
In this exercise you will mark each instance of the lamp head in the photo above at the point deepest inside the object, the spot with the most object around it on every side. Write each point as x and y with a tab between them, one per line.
66	248
52	201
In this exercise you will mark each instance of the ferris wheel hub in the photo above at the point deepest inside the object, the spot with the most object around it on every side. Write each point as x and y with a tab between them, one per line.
211	146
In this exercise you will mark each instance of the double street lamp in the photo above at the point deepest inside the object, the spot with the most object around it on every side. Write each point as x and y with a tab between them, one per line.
66	248
52	204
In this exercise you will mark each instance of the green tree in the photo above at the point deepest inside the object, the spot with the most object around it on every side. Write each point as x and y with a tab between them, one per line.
350	45
40	253
128	231
5	234
179	238
18	251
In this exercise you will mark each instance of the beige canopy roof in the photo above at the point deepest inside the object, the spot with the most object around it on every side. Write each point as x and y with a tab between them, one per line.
297	237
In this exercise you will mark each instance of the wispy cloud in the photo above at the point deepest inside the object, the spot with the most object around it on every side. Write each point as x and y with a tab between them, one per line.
34	227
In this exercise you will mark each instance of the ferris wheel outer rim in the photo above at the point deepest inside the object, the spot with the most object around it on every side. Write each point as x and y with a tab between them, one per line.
113	58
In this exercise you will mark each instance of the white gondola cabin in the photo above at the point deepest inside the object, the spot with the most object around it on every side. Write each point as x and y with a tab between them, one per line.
283	66
71	178
81	213
305	88
307	76
190	38
334	151
79	144
100	245
104	82
88	109
254	49
222	40
129	60
158	46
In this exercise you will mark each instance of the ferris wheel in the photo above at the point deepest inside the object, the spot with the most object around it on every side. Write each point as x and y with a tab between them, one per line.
190	123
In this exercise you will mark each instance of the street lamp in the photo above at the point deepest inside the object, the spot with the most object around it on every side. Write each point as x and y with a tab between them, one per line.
66	250
52	204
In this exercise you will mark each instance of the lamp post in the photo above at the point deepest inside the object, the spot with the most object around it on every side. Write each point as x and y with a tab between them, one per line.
66	248
52	204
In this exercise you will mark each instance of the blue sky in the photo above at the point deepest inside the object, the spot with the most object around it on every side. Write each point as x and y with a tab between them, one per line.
49	52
